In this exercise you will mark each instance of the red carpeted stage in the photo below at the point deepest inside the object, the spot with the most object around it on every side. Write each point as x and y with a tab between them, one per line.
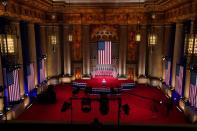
103	84
97	82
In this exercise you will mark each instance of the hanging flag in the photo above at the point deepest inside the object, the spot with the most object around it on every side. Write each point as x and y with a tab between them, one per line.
179	79
42	70
13	85
167	72
30	77
104	52
193	89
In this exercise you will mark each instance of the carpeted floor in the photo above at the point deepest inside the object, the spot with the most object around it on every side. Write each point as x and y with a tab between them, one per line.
147	106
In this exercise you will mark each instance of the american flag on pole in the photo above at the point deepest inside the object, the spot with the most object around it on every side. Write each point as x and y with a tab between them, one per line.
42	70
104	52
13	87
193	90
179	79
30	77
167	72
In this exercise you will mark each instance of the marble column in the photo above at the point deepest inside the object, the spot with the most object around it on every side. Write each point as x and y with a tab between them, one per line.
167	44
53	53
67	48
61	42
142	52
43	42
123	49
43	39
177	50
188	73
86	52
20	59
32	49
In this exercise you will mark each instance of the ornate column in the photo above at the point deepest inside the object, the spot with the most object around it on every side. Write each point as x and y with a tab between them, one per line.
53	53
167	44
157	53
67	59
142	52
85	47
177	49
188	73
43	39
123	49
32	49
20	59
43	42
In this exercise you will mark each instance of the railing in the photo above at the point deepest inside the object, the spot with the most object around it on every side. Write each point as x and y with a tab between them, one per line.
104	70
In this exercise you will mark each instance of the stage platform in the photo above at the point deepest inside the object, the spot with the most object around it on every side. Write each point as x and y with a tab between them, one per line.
103	84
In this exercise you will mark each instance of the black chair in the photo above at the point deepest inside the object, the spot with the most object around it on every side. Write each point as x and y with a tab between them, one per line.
96	123
126	109
51	95
104	104
75	90
65	106
113	91
88	90
86	105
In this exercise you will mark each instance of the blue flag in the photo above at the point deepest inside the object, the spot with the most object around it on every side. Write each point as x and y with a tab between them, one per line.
193	78
28	70
10	78
101	45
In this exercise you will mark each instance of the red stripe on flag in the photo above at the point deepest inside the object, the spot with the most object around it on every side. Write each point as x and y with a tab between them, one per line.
14	89
104	56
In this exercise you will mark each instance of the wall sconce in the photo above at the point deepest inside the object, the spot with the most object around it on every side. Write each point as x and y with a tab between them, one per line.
70	37
138	37
53	41
7	44
4	2
53	38
191	44
152	39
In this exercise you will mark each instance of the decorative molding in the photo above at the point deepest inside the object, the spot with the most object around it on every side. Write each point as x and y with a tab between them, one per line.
39	11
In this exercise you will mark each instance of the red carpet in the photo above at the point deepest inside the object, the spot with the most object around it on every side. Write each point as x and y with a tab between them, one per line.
140	100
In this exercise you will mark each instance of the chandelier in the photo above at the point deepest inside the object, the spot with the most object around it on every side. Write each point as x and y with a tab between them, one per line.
70	34
152	37
138	35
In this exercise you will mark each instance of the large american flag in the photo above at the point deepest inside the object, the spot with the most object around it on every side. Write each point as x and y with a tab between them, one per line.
30	77
104	52
167	72
12	84
42	70
179	79
193	90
